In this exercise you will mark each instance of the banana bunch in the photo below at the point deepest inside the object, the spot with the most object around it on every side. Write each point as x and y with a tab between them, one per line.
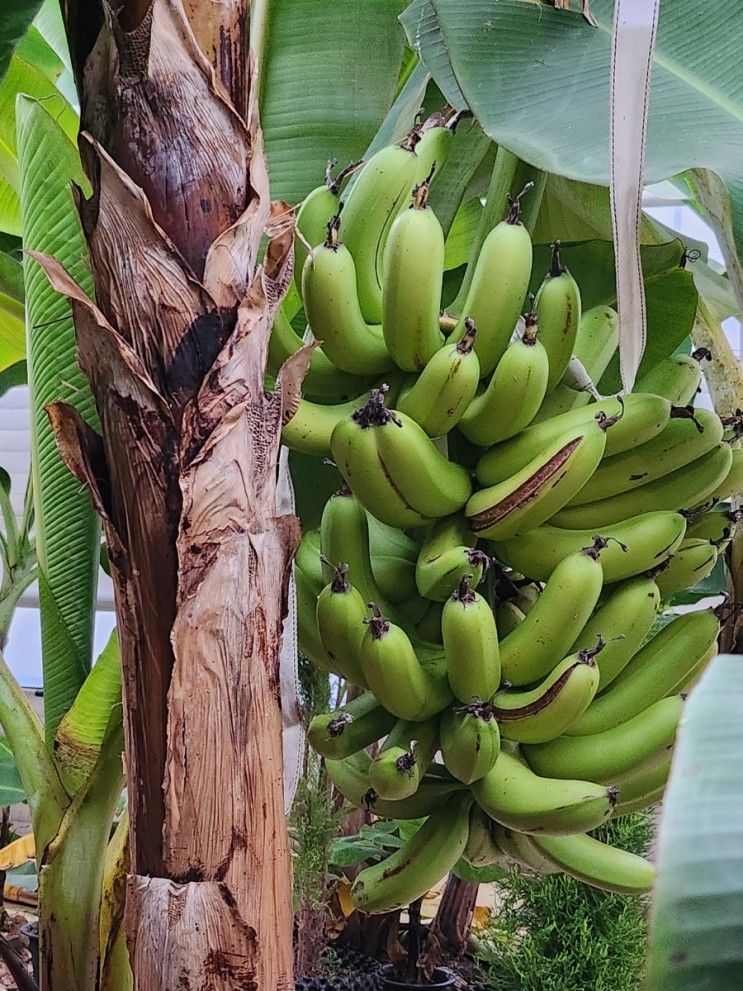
488	579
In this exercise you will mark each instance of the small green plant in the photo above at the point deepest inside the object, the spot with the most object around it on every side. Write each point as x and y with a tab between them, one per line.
555	934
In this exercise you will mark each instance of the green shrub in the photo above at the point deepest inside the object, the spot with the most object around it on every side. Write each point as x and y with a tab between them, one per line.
555	934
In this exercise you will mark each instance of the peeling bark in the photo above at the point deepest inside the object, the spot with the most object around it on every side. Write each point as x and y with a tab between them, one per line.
184	476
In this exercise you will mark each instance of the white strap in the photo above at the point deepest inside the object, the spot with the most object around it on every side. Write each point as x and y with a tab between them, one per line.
291	714
635	23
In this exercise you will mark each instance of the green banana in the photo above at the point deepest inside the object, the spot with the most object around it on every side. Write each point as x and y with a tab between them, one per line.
641	417
597	340
403	759
624	619
517	798
308	635
605	757
470	645
332	308
716	526
598	864
547	711
393	558
470	741
308	560
636	545
394	468
498	289
444	389
508	617
676	378
350	728
640	790
311	426
340	621
351	778
688	435
694	561
482	849
411	871
562	399
407	687
549	628
514	394
558	315
655	671
518	848
315	213
381	191
685	487
732	484
428	627
448	554
537	491
436	134
411	293
323	380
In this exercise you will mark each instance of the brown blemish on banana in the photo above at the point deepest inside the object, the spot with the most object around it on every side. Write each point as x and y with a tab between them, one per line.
506	715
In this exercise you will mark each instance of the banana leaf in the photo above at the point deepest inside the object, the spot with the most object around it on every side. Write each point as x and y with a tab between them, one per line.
15	18
537	79
12	323
696	938
68	530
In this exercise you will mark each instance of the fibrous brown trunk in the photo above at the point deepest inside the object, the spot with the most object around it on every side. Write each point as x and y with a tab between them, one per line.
447	937
184	476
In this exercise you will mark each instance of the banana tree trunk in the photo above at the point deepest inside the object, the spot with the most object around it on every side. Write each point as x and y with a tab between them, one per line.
184	476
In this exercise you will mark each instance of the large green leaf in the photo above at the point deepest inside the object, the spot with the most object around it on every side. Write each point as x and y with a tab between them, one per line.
329	74
12	325
15	17
697	919
11	789
538	81
68	530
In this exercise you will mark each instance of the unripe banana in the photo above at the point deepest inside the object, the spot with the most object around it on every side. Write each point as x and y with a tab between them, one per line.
655	671
598	864
448	554
308	636
470	645
562	399
624	619
315	213
394	468
519	799
470	741
561	611
428	627
340	621
308	559
411	294
508	617
323	380
498	289
717	526
694	561
433	147
393	558
641	417
482	849
732	484
643	789
444	389
597	340
558	314
351	777
311	426
605	757
333	311
402	683
684	488
513	395
676	378
547	711
411	871
546	483
381	191
403	759
635	546
519	849
688	435
350	728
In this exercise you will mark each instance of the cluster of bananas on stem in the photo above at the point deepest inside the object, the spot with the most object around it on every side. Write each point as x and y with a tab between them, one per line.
475	453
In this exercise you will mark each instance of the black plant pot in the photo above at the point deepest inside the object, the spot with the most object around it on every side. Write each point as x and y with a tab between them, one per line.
441	978
31	932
